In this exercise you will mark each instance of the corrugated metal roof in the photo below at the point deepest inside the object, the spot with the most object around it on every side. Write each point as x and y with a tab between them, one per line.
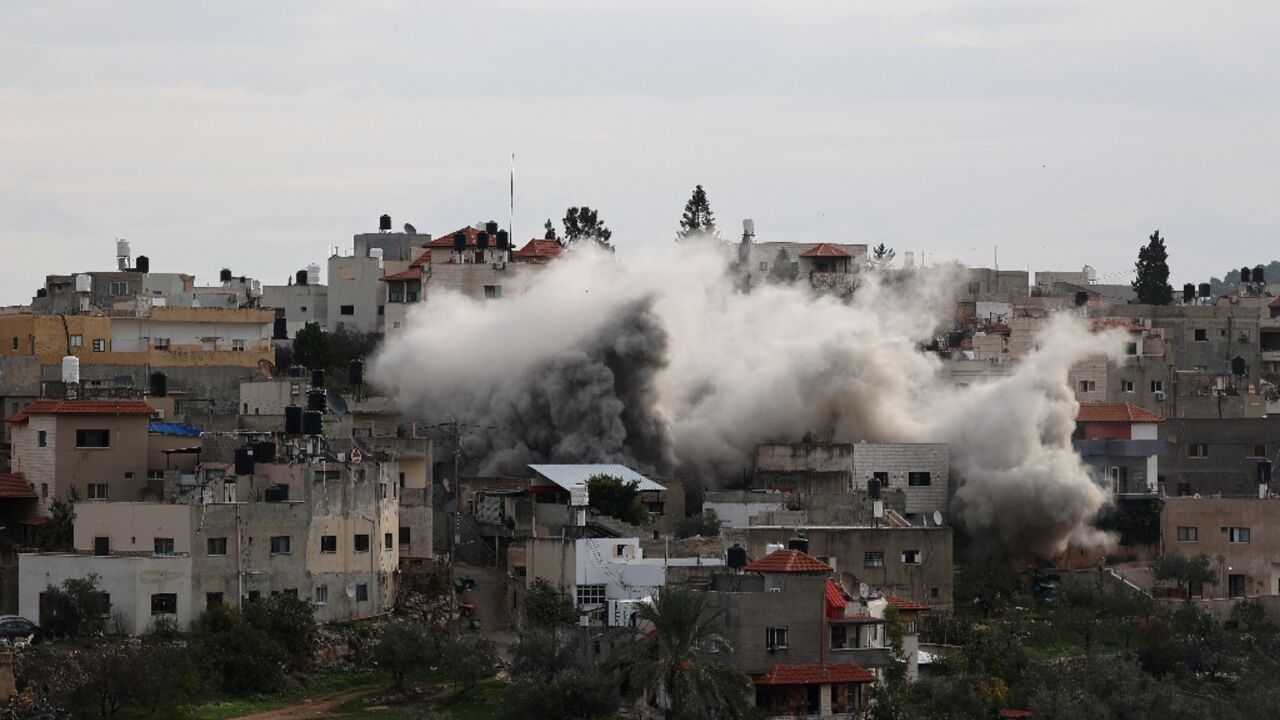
566	476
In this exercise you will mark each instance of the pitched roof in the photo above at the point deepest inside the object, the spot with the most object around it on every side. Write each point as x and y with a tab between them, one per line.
423	259
15	486
788	561
83	407
1114	413
825	250
445	241
835	601
538	250
905	604
566	476
814	675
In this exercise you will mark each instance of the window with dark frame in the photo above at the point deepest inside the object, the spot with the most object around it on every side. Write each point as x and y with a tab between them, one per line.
918	479
280	544
217	546
164	603
1188	534
362	543
328	543
93	438
775	638
362	593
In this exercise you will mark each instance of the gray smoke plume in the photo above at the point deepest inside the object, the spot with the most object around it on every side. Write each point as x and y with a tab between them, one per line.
660	362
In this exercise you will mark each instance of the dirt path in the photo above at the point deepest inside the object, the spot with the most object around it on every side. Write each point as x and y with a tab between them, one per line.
318	707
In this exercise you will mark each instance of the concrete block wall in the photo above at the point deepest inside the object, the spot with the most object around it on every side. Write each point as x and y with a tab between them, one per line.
900	459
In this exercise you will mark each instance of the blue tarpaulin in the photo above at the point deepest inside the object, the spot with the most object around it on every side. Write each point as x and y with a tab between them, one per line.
173	429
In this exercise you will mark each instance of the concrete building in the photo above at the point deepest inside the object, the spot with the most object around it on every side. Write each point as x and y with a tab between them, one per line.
1120	445
357	295
298	304
140	589
1240	536
1219	457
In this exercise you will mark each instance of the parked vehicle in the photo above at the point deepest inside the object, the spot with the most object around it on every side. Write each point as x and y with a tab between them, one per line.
18	630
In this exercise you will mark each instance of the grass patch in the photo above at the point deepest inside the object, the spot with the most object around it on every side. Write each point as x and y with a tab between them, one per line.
479	704
316	685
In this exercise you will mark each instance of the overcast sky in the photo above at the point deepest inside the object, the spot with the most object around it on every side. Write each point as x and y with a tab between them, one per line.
256	135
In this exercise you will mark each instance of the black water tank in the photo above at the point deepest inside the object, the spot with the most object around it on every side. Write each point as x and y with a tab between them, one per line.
244	461
293	420
1264	471
317	378
1245	274
504	240
355	372
297	371
873	489
276	493
312	423
1237	366
737	557
459	242
315	400
482	240
159	384
142	264
384	223
1259	274
491	227
300	277
798	542
41	292
280	331
225	275
1082	298
1188	293
1205	290
264	452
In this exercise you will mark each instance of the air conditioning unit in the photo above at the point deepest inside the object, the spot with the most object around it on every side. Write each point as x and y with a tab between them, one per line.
499	266
1159	395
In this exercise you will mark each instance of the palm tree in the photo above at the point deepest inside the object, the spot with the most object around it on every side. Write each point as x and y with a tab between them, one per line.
676	661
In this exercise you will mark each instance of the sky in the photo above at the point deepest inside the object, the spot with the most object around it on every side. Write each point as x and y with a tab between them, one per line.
258	136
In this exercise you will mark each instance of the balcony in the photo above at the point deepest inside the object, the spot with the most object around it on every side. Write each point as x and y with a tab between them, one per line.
1119	448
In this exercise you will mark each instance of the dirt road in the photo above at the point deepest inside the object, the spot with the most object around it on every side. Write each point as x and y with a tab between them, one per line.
318	707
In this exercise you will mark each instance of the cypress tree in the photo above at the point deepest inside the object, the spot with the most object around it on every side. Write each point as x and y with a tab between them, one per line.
1152	280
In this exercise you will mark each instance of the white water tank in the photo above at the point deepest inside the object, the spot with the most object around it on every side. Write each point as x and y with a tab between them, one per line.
376	253
772	548
84	283
749	227
255	289
579	496
908	259
71	369
313	274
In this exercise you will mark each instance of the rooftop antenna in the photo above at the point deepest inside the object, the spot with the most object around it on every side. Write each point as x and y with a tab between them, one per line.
511	210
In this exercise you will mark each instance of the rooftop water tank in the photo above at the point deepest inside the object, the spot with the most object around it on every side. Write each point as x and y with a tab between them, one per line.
772	548
144	264
292	420
384	223
84	283
71	369
749	228
313	274
737	557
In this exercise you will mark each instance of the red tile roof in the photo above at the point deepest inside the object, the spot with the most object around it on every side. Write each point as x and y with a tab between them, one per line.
423	259
825	250
83	407
905	604
814	675
413	273
445	241
538	250
1114	413
15	486
835	601
788	561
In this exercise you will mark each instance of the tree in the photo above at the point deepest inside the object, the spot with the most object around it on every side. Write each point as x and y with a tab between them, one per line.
549	230
676	666
783	272
545	606
289	622
1083	601
697	220
706	524
467	660
618	499
573	694
76	608
311	347
240	658
881	256
986	582
1152	280
403	647
56	533
583	223
1185	571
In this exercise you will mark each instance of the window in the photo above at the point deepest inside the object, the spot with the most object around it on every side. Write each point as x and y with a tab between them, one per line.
362	543
217	546
764	266
327	475
237	345
322	594
212	600
1184	489
1201	335
1126	386
303	308
290	592
254	595
164	546
347	310
44	490
873	559
883	477
161	343
1157	386
1235	586
42	438
1131	348
362	593
910	557
280	544
776	637
1188	534
588	595
1088	386
492	292
75	341
918	479
404	536
15	343
119	288
1259	450
164	604
99	345
1198	450
328	543
402	480
97	491
388	541
1238	534
101	545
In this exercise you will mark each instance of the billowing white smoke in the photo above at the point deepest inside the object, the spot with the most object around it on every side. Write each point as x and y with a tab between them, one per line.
661	362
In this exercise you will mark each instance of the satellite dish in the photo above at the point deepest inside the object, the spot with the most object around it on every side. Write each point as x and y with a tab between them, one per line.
351	590
336	402
410	229
937	518
863	589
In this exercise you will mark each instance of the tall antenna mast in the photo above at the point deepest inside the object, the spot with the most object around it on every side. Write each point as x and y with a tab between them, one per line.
511	216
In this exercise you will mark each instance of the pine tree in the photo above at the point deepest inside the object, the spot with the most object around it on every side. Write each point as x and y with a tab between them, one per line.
550	229
881	256
1152	280
698	218
583	223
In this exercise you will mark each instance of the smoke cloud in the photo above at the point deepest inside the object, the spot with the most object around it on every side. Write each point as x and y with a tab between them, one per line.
659	362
